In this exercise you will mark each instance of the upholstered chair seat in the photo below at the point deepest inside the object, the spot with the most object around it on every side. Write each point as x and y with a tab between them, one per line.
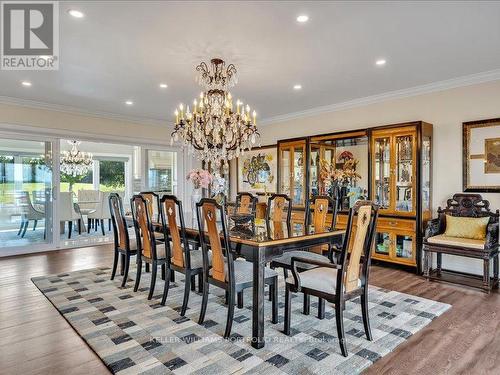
321	279
285	261
243	271
197	259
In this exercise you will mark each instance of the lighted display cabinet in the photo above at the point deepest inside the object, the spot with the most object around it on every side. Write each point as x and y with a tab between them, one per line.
292	162
393	167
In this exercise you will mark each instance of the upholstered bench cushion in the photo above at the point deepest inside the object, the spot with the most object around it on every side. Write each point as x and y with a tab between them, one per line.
456	241
286	259
322	279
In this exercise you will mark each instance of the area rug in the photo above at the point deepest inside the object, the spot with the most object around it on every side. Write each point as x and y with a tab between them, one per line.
135	336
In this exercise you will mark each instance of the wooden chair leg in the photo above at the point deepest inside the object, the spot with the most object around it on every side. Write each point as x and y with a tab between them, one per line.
109	224
166	287
89	222
26	223
154	268
122	264
307	304
200	283
288	311
102	227
321	308
204	302
70	228
339	317
274	292
193	283
21	228
139	271
187	289
146	267
79	223
115	264
230	312
125	273
364	313
35	222
240	299
163	267
439	262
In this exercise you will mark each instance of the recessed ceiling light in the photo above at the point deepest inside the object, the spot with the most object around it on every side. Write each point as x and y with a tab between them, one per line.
297	87
302	18
163	85
76	13
129	102
26	83
380	62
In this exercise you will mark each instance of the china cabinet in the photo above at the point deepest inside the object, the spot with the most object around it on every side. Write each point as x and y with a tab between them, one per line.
292	162
401	185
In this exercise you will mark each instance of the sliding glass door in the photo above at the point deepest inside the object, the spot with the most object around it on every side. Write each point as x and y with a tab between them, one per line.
26	195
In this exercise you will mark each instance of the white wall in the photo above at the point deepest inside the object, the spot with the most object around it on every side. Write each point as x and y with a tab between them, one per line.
446	110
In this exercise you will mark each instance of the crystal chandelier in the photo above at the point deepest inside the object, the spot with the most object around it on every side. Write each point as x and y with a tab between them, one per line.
75	162
214	129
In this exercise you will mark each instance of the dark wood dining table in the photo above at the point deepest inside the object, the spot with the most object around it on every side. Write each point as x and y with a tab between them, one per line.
259	243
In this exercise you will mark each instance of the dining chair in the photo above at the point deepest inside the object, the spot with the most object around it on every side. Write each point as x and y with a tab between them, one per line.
338	283
149	250
28	213
180	256
322	205
68	213
246	203
88	201
226	273
124	245
101	213
153	202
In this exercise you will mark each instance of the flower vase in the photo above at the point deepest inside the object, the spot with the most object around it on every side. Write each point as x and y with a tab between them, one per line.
195	198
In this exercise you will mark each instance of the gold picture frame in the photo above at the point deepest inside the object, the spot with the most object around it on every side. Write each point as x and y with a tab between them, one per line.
481	156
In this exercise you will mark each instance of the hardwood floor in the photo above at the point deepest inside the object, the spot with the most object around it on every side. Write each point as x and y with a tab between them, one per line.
35	339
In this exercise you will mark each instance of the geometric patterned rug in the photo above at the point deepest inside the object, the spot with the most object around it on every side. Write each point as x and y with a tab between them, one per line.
132	335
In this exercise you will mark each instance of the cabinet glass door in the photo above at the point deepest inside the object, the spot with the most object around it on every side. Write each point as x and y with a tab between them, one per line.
405	249
382	243
426	173
285	171
405	189
382	172
315	183
298	175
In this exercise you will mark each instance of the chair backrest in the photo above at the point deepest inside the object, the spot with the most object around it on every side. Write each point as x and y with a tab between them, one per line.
171	217
153	203
144	231
246	203
24	202
88	196
317	215
66	206
277	206
207	210
355	259
467	205
120	232
317	209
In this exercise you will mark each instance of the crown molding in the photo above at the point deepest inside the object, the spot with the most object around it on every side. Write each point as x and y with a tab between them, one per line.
473	79
80	112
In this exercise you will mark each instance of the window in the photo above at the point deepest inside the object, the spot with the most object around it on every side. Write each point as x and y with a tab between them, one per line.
162	171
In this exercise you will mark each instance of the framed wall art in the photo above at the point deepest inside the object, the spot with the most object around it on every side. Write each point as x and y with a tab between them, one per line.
481	156
257	170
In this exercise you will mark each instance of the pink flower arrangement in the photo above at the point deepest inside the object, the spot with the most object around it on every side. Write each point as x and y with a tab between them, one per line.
200	178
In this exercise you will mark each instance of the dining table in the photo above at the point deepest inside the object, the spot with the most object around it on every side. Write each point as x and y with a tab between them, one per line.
259	242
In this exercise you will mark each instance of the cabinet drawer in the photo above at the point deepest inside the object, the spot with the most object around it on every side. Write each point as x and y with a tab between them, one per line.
396	224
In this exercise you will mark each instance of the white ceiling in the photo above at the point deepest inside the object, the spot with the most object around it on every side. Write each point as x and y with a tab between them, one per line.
123	50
